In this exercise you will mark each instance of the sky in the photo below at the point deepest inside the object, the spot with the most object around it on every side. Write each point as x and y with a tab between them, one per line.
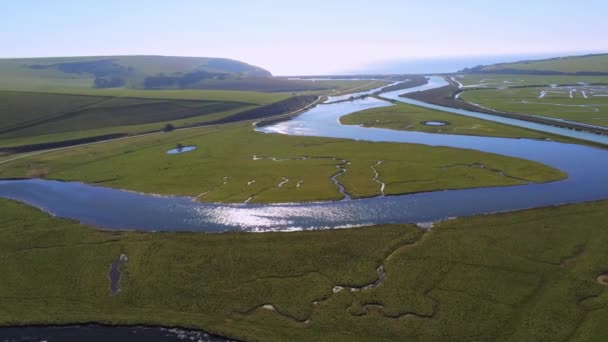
305	36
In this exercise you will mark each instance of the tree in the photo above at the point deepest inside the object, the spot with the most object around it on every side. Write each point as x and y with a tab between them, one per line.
168	127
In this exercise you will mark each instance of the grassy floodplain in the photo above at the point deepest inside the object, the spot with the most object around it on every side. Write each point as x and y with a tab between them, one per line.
586	104
408	117
233	163
506	81
522	276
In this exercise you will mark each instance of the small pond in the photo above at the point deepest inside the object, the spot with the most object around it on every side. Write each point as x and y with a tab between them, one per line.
182	149
434	123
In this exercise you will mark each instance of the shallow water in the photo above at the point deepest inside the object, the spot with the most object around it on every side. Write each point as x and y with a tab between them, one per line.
179	150
436	81
434	123
98	333
116	209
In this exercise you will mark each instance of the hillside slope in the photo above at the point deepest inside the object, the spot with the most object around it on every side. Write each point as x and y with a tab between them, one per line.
596	64
138	72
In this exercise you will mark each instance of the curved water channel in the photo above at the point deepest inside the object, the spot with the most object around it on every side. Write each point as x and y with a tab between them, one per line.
117	209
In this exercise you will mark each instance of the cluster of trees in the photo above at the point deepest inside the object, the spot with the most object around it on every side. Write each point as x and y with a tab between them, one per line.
107	73
109	82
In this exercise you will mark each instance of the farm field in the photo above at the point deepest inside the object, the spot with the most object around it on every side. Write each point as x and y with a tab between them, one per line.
517	276
52	120
234	163
31	114
583	103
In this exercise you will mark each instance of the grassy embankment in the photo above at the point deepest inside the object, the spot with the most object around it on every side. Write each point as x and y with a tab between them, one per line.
407	117
523	276
224	166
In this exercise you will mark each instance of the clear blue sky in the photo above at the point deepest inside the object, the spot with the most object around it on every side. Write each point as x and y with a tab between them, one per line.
304	36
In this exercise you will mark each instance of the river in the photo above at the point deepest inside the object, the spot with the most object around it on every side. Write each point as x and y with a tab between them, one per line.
117	209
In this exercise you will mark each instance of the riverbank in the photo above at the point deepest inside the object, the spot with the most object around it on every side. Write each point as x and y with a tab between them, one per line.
407	117
496	270
448	96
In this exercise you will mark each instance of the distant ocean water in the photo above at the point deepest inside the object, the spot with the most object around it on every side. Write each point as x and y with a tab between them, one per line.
443	64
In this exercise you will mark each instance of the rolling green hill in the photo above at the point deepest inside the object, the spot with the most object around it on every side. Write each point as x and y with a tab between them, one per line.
141	72
596	64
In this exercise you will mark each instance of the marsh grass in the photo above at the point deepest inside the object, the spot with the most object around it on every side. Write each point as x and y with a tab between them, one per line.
528	275
224	165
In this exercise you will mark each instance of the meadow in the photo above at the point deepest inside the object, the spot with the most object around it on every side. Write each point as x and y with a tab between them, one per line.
574	103
233	163
408	117
521	276
506	81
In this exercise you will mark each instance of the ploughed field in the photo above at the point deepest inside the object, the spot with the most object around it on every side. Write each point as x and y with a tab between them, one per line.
37	121
28	114
526	275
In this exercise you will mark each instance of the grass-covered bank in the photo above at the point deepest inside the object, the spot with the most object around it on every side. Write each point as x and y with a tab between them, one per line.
408	117
580	103
528	275
233	163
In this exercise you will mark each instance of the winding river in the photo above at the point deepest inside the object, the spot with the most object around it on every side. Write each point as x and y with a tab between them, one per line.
117	209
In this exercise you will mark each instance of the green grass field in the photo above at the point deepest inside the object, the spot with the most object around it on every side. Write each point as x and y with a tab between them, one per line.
223	167
572	64
577	103
505	81
522	276
407	117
